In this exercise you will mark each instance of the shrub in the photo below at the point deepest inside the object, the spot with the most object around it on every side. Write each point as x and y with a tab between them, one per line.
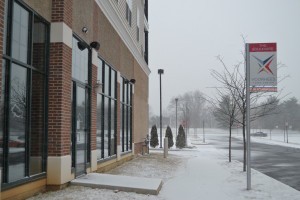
154	137
180	140
169	135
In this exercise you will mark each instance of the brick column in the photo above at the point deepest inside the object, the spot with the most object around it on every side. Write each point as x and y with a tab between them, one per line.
94	111
60	87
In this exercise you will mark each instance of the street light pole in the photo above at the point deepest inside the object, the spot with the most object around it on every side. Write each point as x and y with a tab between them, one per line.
160	72
176	101
203	133
287	133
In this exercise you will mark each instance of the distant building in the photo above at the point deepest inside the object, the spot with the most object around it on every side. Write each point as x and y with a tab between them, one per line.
74	89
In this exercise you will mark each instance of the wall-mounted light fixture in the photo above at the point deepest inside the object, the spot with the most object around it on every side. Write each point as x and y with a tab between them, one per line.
95	45
81	45
132	81
98	87
85	29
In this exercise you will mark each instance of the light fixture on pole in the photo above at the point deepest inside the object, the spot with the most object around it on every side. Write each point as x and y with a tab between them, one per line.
160	72
176	101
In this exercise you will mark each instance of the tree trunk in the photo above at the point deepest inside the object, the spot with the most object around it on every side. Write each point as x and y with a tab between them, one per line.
244	141
230	144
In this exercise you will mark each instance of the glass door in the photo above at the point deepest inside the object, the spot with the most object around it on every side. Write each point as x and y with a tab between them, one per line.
80	132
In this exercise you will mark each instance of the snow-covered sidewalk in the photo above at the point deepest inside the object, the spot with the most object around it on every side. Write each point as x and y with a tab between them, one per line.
200	173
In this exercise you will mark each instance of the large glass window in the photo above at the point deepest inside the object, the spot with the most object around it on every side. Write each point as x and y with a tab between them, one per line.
20	33
79	62
2	93
126	113
17	122
99	116
23	98
106	111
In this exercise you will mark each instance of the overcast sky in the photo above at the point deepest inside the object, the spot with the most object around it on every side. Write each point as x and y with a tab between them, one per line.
186	36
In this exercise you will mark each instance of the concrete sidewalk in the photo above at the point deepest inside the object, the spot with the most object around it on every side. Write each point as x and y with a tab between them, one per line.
122	183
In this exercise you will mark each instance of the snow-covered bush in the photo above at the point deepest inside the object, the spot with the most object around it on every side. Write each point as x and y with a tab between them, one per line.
154	137
169	135
180	140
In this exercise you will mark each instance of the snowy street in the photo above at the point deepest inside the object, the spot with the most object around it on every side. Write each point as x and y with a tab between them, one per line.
202	172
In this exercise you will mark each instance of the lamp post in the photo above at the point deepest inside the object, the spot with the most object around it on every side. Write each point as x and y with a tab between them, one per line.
287	133
203	133
187	110
176	101
160	72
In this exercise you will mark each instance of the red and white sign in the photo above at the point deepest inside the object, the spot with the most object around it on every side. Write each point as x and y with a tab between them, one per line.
263	67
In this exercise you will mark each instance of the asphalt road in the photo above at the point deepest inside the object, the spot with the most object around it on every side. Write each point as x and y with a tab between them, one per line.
280	163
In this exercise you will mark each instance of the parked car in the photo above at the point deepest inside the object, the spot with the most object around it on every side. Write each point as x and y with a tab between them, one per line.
259	134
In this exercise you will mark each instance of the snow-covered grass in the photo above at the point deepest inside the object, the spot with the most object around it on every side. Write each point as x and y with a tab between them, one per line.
190	174
153	165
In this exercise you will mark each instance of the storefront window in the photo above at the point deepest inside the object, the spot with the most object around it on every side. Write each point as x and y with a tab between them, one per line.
22	101
126	113
106	112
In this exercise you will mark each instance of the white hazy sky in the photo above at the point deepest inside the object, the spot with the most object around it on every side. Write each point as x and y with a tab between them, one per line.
186	36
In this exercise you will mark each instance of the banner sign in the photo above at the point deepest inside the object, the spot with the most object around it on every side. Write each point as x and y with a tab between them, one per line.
263	67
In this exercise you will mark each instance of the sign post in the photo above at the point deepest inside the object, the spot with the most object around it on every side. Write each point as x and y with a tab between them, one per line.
261	76
248	156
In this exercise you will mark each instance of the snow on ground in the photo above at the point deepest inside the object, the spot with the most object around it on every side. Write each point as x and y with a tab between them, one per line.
191	174
153	165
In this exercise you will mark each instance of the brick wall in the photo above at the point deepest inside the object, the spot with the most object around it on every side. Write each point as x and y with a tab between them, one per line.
59	117
62	11
94	108
60	86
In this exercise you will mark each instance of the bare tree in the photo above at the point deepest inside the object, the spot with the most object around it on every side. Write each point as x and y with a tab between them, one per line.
191	108
234	82
225	113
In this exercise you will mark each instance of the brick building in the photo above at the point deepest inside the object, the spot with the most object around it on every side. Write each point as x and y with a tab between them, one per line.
74	89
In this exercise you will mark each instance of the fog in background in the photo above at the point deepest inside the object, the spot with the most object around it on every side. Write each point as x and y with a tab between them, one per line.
186	36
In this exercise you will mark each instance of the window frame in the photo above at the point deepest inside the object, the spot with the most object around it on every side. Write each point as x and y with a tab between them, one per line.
8	59
104	95
126	110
